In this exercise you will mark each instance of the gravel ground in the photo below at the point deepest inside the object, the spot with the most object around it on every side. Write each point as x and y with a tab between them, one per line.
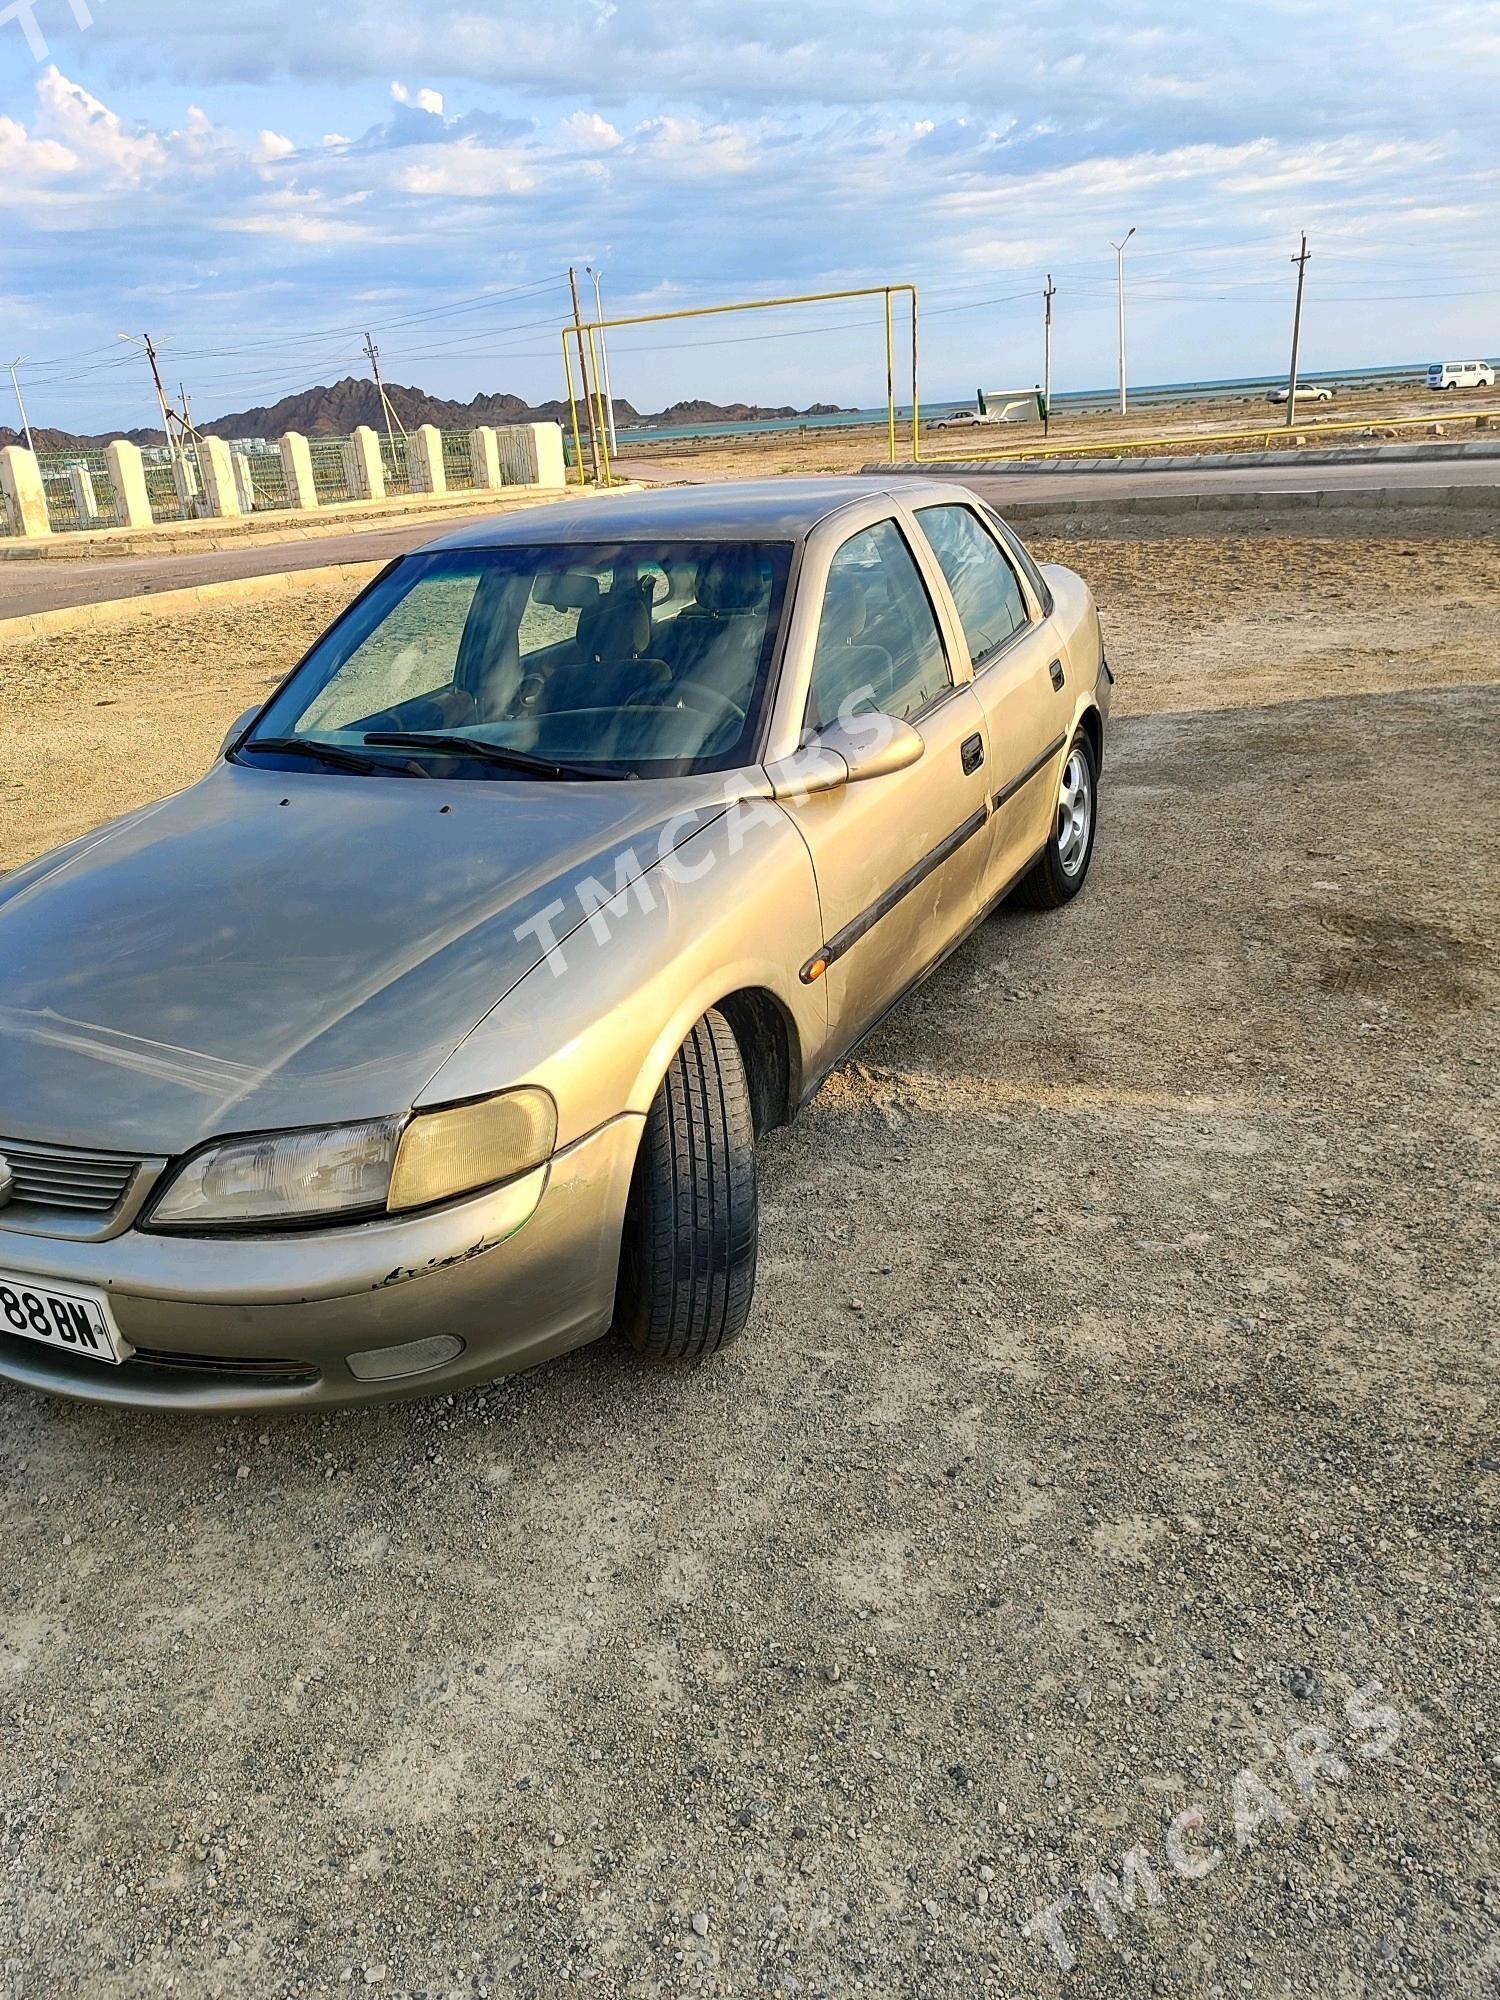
1120	1399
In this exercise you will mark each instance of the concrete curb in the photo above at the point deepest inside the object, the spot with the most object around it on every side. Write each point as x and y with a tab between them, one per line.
1370	499
1207	461
1375	510
175	603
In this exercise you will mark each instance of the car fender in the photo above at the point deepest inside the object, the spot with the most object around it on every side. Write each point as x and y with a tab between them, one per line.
1077	620
598	1020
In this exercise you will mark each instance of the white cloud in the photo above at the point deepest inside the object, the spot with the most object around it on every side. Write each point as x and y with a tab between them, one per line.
274	146
591	133
697	149
423	100
25	161
465	168
96	134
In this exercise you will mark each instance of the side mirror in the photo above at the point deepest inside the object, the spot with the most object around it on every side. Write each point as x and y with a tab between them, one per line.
237	729
847	752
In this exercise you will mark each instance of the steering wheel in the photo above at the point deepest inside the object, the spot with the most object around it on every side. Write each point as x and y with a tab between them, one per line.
706	700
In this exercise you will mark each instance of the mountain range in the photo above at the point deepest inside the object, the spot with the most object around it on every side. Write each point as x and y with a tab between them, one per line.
333	410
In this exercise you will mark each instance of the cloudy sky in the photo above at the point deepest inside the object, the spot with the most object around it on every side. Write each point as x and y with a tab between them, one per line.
255	185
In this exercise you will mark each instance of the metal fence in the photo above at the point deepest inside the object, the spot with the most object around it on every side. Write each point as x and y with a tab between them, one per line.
331	470
395	457
517	455
458	459
263	481
164	491
80	493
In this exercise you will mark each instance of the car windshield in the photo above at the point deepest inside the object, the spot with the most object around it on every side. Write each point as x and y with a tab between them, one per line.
563	662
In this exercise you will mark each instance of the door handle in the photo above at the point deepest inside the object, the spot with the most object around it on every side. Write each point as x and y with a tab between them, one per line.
972	753
1058	677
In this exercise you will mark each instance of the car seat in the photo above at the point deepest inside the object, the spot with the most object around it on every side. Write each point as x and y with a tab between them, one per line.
847	668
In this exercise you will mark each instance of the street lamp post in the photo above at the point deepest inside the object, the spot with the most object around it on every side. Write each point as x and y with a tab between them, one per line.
609	400
1119	250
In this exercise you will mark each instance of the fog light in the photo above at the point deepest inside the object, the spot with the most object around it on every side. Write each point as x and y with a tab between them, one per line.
414	1357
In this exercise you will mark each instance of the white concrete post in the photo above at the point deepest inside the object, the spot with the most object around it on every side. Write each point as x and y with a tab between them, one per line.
244	480
547	455
21	479
85	500
362	458
486	449
127	472
296	463
25	495
219	479
185	479
425	447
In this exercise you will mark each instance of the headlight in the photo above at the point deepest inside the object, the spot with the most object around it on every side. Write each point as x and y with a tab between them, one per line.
444	1153
387	1166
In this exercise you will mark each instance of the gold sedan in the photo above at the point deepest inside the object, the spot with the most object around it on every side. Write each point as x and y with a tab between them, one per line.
438	1020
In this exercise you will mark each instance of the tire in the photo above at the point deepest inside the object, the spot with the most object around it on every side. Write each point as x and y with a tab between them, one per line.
688	1260
1064	864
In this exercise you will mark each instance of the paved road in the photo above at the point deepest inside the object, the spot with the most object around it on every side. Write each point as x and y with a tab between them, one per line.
48	585
42	586
1012	484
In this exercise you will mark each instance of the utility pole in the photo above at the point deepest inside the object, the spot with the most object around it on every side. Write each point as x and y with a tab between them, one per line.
1047	297
609	400
583	372
1300	260
1119	250
186	420
144	340
391	419
15	383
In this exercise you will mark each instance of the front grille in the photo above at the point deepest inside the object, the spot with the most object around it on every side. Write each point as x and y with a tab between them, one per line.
253	1366
65	1177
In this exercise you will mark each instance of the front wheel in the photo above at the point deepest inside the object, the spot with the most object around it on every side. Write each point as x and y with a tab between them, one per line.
688	1264
1059	874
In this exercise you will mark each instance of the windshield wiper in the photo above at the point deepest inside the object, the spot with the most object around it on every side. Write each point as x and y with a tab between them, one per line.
455	745
307	746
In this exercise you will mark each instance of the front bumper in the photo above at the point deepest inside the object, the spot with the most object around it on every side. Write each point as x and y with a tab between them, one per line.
239	1323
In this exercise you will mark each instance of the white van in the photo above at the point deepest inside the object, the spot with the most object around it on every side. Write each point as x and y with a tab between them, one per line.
1460	375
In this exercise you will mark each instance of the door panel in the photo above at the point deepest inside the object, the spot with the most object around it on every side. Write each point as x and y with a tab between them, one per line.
1027	718
1017	657
899	862
898	859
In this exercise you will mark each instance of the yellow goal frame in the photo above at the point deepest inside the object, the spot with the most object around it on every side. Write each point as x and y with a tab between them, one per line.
582	330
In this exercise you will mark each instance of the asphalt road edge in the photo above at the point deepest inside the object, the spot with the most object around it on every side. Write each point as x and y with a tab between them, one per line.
169	603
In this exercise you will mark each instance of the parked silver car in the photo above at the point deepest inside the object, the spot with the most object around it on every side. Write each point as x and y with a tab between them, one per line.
430	1033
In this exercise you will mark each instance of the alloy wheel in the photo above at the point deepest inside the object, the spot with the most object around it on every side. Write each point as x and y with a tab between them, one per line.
1075	813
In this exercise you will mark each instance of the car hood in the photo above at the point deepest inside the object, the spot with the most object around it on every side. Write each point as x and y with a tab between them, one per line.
274	948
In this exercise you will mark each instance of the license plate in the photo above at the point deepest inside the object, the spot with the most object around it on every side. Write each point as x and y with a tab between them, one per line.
77	1322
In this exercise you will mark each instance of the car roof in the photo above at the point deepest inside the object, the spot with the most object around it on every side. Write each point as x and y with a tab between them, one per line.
728	510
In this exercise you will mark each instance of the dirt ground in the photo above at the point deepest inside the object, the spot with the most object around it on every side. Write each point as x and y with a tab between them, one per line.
1119	1402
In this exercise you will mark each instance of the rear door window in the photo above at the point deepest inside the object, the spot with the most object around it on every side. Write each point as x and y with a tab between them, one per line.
985	588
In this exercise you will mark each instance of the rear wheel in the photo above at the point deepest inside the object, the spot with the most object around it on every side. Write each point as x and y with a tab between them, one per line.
688	1267
1059	874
